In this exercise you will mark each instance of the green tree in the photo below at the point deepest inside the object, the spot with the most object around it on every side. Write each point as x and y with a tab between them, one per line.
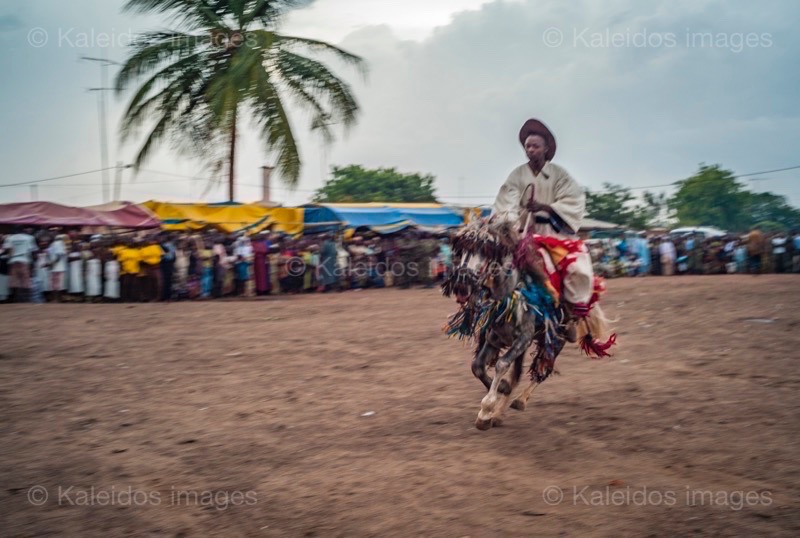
225	62
712	197
357	184
655	210
768	210
610	204
617	204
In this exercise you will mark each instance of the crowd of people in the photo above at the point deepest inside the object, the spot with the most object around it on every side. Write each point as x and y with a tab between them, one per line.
755	252
50	265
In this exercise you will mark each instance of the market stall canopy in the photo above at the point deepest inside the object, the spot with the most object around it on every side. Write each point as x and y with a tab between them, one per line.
226	217
380	218
128	216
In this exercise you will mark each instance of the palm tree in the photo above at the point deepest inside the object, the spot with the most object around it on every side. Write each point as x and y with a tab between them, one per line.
228	62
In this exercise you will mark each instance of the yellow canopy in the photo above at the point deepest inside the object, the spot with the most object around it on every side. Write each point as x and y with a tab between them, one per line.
408	205
227	218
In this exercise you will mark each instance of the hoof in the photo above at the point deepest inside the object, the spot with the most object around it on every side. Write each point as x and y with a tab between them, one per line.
483	425
519	405
497	422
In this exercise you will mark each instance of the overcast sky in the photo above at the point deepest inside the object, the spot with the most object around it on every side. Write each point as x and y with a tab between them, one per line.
637	93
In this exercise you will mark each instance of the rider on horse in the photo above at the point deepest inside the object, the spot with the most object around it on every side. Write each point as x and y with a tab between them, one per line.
543	199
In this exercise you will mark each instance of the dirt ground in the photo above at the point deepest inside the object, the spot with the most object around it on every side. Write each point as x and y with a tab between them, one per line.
352	415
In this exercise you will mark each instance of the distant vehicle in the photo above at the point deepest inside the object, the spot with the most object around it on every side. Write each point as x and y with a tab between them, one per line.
613	234
705	231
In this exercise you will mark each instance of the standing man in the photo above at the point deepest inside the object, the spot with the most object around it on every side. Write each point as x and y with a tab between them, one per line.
755	249
328	273
170	254
57	254
643	251
556	204
20	248
151	255
667	253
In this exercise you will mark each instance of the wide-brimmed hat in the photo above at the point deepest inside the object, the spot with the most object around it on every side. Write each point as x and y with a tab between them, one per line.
536	127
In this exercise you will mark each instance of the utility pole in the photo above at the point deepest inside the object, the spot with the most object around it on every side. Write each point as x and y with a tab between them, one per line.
118	179
34	193
101	106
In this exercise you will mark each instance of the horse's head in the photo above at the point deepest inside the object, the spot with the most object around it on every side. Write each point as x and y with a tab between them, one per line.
500	278
484	248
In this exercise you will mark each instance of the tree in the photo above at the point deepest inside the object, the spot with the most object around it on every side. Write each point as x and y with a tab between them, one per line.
224	63
655	209
610	205
357	184
712	197
771	211
618	205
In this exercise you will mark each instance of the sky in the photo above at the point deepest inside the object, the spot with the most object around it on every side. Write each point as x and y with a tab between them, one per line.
637	93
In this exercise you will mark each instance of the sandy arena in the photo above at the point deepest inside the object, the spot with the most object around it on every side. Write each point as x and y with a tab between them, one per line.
352	415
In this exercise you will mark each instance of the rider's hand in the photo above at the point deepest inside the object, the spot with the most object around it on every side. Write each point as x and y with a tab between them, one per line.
535	207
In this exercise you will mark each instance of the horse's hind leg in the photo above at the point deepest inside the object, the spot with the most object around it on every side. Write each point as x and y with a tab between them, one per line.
521	401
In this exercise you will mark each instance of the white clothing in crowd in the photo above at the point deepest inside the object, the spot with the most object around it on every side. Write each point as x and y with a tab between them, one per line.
75	273
94	283
111	289
667	249
21	248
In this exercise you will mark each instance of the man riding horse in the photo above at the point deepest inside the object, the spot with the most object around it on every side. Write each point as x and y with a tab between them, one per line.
525	279
542	197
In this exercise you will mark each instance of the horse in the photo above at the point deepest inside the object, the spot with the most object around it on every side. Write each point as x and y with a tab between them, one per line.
507	305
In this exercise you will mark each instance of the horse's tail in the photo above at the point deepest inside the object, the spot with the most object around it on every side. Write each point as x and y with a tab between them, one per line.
594	333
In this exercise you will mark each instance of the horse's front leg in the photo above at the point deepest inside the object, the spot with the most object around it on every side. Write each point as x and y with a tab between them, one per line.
505	379
486	355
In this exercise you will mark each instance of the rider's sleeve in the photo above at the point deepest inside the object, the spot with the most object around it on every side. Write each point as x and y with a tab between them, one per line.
570	201
507	203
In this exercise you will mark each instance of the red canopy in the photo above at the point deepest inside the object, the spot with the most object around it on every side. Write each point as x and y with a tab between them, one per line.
50	214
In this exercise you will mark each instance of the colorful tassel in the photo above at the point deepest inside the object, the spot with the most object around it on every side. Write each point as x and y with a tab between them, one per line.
591	346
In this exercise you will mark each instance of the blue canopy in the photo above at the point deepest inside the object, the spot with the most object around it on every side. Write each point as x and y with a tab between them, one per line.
384	220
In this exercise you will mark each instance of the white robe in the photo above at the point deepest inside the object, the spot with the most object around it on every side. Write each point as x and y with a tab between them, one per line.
552	186
75	273
43	272
111	290
94	284
555	187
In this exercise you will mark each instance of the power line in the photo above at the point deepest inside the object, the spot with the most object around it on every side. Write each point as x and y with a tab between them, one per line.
769	171
733	177
95	184
57	177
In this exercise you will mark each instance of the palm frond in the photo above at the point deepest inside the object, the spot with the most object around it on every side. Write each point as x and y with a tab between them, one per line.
192	14
318	81
321	46
276	130
179	80
155	49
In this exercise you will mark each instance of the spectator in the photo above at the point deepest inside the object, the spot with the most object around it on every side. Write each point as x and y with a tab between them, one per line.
755	249
20	247
667	254
167	266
